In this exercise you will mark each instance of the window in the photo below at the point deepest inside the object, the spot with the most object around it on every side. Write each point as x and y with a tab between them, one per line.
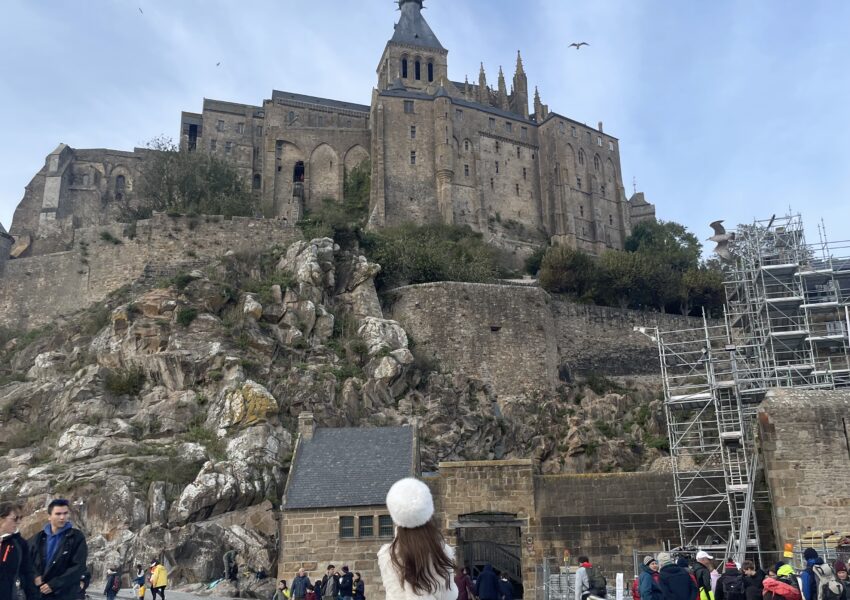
602	189
385	526
458	114
256	153
578	185
367	526
240	128
523	133
228	147
408	106
588	136
257	182
212	145
259	130
596	163
517	189
417	70
348	123
523	172
492	123
581	208
291	117
346	527
219	126
404	68
581	157
498	147
574	132
120	184
466	170
562	126
413	132
430	71
599	141
413	157
466	145
497	166
509	126
518	152
491	183
610	219
611	146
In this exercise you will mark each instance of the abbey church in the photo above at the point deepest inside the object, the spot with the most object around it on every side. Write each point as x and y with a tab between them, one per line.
465	153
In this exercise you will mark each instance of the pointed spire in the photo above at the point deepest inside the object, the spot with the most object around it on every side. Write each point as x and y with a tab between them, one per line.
503	91
519	68
483	94
466	86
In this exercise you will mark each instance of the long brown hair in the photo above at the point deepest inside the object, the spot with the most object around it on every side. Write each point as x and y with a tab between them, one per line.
419	556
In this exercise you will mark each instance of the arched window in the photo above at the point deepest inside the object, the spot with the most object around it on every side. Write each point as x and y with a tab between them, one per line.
404	67
581	157
466	145
430	71
596	163
417	70
291	117
257	181
298	172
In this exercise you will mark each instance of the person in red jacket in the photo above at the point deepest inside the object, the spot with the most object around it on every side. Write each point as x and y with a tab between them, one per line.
465	588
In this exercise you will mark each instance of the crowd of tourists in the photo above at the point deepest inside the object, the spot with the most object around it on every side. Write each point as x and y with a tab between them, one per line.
334	585
666	577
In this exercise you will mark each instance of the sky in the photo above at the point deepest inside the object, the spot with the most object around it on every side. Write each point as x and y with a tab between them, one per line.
724	109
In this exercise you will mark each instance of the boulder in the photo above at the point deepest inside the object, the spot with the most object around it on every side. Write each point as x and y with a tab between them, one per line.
251	307
47	365
382	334
245	406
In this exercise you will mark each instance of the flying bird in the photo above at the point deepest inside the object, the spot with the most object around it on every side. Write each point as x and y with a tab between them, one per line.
141	11
578	45
722	238
217	64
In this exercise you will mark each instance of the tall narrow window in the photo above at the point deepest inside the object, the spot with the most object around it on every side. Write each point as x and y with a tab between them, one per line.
466	145
581	208
518	152
466	170
259	130
212	145
458	114
611	146
517	189
610	219
404	68
417	70
599	141
413	132
578	185
523	133
240	128
492	123
219	126
291	117
385	526
257	181
497	166
408	106
430	71
581	157
574	132
602	189
228	147
498	146
413	157
523	172
491	183
509	126
367	528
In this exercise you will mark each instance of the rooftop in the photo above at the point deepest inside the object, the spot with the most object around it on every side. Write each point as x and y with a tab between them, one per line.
412	29
350	466
325	102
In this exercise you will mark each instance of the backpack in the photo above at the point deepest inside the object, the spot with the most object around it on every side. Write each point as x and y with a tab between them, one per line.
783	588
733	587
116	583
829	588
596	583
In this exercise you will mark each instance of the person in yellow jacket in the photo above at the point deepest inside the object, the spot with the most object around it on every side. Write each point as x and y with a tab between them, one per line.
159	579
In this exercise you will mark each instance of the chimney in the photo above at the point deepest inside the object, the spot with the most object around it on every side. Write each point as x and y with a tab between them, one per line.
600	127
306	425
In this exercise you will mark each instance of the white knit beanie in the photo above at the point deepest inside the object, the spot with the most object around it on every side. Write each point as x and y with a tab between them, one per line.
410	503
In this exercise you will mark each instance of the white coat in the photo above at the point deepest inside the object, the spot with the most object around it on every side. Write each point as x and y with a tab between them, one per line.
396	589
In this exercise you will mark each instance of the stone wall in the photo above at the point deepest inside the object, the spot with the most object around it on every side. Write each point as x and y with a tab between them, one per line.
606	516
310	539
518	337
35	290
503	334
806	453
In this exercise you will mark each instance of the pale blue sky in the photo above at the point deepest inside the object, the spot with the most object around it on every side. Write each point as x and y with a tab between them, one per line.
724	109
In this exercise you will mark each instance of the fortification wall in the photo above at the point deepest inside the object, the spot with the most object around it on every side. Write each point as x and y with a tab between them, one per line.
605	516
36	290
503	334
806	453
519	337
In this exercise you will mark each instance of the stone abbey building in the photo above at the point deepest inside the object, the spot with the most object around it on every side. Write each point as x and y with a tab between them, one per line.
465	153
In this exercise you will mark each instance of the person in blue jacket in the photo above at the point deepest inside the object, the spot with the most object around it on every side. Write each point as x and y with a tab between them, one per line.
808	581
487	586
648	581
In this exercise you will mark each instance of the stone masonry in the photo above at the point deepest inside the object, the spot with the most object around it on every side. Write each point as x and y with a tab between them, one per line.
804	443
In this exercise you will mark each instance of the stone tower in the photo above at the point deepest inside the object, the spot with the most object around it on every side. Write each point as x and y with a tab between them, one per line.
414	54
6	242
520	96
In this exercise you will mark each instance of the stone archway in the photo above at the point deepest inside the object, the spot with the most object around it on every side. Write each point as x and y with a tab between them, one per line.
493	538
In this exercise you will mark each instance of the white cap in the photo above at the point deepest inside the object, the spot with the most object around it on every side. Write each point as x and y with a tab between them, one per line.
410	503
703	554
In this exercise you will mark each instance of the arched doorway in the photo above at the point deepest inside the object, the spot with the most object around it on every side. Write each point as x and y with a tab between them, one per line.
298	172
493	538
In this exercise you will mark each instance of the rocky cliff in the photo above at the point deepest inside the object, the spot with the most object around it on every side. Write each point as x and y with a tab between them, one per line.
167	415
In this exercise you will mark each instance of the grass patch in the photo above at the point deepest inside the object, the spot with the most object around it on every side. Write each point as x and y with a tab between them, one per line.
125	382
109	238
185	315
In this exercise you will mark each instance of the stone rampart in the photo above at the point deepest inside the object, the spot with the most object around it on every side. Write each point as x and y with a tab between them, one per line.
806	453
36	290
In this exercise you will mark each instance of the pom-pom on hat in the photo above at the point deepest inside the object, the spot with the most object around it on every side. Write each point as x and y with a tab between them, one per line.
410	503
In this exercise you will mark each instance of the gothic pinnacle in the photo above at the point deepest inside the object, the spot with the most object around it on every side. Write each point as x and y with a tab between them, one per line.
519	68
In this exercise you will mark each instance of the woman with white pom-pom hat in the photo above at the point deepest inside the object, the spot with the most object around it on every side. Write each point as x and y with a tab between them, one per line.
418	564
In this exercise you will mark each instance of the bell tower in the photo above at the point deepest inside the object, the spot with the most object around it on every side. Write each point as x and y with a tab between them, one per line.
413	54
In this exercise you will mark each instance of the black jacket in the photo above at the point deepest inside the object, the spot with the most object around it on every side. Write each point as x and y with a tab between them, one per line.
754	585
346	582
506	590
703	576
69	563
676	583
487	585
728	575
15	561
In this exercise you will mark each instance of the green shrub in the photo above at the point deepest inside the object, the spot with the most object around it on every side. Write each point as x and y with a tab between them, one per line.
658	442
108	237
199	434
342	221
181	281
532	263
185	315
29	435
602	385
125	382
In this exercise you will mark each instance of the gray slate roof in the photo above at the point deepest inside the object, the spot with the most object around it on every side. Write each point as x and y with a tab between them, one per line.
412	29
327	102
349	467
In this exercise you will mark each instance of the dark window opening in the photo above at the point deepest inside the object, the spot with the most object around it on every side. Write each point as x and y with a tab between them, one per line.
291	117
497	166
257	181
413	132
498	147
193	137
492	123
523	172
298	172
466	170
120	184
417	70
518	152
413	157
346	527
367	528
610	219
404	68
491	183
256	154
517	189
212	145
602	189
430	71
495	328
385	526
581	210
466	145
408	106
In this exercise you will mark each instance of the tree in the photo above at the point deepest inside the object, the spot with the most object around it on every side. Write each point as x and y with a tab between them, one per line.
567	270
178	180
702	287
667	241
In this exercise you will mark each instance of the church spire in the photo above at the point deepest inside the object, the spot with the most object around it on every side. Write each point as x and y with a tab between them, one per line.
519	68
503	91
519	97
483	96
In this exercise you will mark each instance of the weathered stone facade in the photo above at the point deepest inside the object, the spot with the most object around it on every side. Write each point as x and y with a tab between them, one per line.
441	151
804	443
100	259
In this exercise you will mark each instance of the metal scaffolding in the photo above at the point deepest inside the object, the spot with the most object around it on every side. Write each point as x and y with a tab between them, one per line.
786	324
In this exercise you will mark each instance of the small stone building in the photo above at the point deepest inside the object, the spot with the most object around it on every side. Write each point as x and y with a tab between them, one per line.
333	508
